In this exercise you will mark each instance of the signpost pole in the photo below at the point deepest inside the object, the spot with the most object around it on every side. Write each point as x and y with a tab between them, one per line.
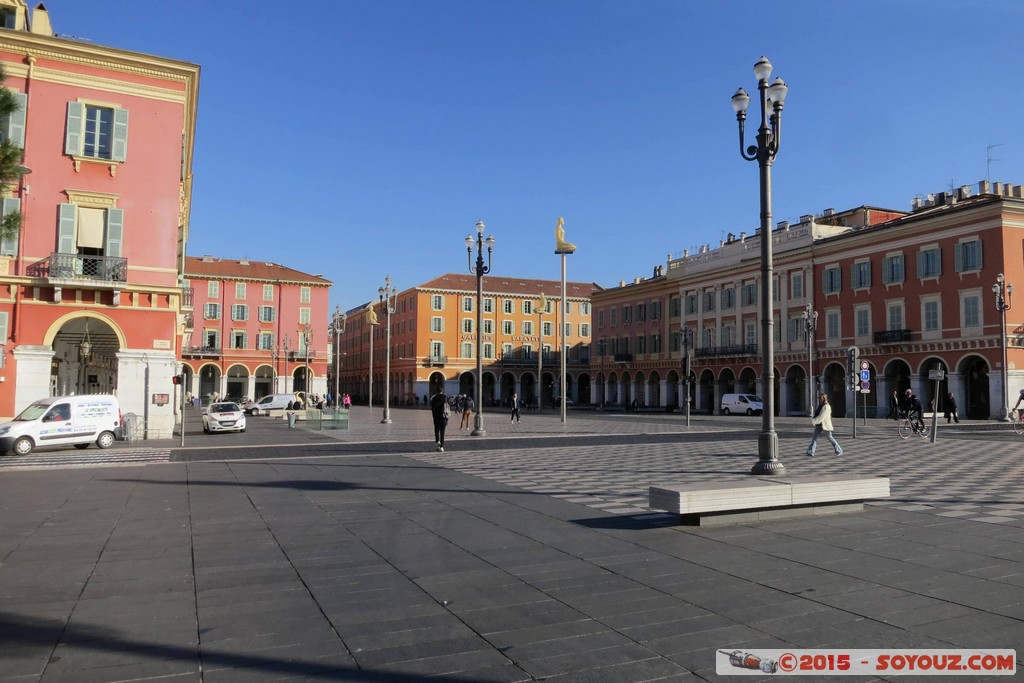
937	376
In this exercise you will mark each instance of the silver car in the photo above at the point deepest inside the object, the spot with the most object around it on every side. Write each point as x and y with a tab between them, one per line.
223	417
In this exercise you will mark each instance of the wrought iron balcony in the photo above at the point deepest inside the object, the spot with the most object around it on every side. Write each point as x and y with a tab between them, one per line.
435	360
201	352
113	269
727	350
892	337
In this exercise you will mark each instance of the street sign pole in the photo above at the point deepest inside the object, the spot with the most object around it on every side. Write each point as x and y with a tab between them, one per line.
936	376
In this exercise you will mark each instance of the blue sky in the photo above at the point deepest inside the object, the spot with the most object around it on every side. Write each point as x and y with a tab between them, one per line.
363	138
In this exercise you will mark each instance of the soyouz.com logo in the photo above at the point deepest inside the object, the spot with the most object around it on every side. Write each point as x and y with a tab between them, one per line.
866	662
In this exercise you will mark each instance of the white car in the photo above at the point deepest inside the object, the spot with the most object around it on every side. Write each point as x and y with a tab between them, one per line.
223	417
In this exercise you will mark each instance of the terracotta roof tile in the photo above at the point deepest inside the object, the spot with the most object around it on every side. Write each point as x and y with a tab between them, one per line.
498	284
209	267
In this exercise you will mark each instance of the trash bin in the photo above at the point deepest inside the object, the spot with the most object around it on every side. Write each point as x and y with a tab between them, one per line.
131	427
292	419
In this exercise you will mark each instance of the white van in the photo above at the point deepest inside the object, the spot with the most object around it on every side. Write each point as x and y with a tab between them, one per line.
743	404
64	420
270	402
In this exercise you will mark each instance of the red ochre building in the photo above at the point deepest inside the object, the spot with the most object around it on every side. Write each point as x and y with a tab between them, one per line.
108	138
434	338
255	328
912	291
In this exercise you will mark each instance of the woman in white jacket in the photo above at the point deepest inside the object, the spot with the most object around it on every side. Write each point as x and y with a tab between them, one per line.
822	422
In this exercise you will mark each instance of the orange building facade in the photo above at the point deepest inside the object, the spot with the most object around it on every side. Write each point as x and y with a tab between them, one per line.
255	328
434	338
909	292
90	289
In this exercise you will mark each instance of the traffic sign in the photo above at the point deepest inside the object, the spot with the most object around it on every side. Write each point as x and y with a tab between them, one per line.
865	387
864	365
937	374
865	375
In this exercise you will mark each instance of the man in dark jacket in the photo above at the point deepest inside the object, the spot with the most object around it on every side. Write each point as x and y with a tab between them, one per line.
912	405
439	410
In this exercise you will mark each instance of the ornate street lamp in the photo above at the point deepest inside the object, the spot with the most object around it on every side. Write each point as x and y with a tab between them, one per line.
768	139
337	329
480	270
542	305
284	346
1003	292
84	349
687	362
307	339
810	325
386	295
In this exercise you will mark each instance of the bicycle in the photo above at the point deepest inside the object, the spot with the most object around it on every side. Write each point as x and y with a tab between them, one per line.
1018	422
907	426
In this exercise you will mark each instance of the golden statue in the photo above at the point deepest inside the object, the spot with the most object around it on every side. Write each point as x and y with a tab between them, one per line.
371	316
542	304
561	246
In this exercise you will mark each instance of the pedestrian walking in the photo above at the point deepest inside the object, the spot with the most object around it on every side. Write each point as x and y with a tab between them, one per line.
468	404
440	411
822	422
894	405
514	402
950	405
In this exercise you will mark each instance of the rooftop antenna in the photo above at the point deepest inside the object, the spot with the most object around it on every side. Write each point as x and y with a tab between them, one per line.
989	160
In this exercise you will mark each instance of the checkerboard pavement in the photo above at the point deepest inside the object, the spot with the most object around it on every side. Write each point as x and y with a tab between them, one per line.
973	478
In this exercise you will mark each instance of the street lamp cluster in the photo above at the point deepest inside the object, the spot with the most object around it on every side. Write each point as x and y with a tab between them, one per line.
769	133
810	325
480	270
386	295
1003	292
337	329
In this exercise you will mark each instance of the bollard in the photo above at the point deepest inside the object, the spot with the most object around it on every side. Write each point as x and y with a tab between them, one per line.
292	419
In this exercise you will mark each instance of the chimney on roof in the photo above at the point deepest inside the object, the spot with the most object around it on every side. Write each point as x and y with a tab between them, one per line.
207	258
243	262
807	218
828	212
41	21
984	187
783	225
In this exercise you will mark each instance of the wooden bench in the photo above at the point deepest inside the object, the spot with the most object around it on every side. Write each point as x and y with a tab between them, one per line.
764	498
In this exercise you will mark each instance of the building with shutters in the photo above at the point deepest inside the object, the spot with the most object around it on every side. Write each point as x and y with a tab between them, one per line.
91	287
910	292
255	328
434	337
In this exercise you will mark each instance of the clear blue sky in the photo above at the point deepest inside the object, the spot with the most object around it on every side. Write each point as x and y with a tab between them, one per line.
363	138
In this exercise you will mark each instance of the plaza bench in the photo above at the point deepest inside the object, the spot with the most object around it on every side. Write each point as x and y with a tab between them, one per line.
765	498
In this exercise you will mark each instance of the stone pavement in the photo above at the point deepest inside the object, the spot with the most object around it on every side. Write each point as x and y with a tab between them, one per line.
525	555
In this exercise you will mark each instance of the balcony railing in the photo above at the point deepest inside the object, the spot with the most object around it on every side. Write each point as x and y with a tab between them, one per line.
435	360
892	337
727	350
186	297
83	267
201	351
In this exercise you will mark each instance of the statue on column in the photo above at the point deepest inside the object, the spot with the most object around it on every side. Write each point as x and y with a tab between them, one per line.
561	246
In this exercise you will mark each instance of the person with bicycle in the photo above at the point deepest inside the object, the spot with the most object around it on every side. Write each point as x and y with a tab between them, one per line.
912	407
1020	399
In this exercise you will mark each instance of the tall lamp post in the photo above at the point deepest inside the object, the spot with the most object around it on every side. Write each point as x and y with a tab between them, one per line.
307	338
480	270
542	304
810	325
687	362
284	346
274	355
337	329
386	294
1003	292
768	139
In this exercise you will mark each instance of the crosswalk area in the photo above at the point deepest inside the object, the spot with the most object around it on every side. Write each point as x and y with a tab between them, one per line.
86	458
981	481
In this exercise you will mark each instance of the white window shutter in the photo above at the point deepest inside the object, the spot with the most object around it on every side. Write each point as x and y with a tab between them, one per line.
14	124
115	232
9	244
66	235
73	133
119	147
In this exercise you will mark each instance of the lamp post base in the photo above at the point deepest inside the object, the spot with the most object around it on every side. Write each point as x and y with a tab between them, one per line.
386	420
478	426
768	449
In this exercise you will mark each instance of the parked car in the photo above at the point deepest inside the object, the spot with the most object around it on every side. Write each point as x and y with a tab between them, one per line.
64	420
746	404
223	417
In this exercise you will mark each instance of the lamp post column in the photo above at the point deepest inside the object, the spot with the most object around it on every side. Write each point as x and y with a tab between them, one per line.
386	294
480	270
1003	292
768	139
338	326
284	345
810	325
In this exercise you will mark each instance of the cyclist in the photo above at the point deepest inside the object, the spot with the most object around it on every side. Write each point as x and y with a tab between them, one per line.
1020	399
913	408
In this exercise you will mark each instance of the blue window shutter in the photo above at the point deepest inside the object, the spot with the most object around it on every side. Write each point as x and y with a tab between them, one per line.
119	149
9	245
14	125
938	262
73	132
115	232
958	257
66	236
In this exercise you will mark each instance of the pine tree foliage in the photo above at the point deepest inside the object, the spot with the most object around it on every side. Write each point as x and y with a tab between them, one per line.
10	159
